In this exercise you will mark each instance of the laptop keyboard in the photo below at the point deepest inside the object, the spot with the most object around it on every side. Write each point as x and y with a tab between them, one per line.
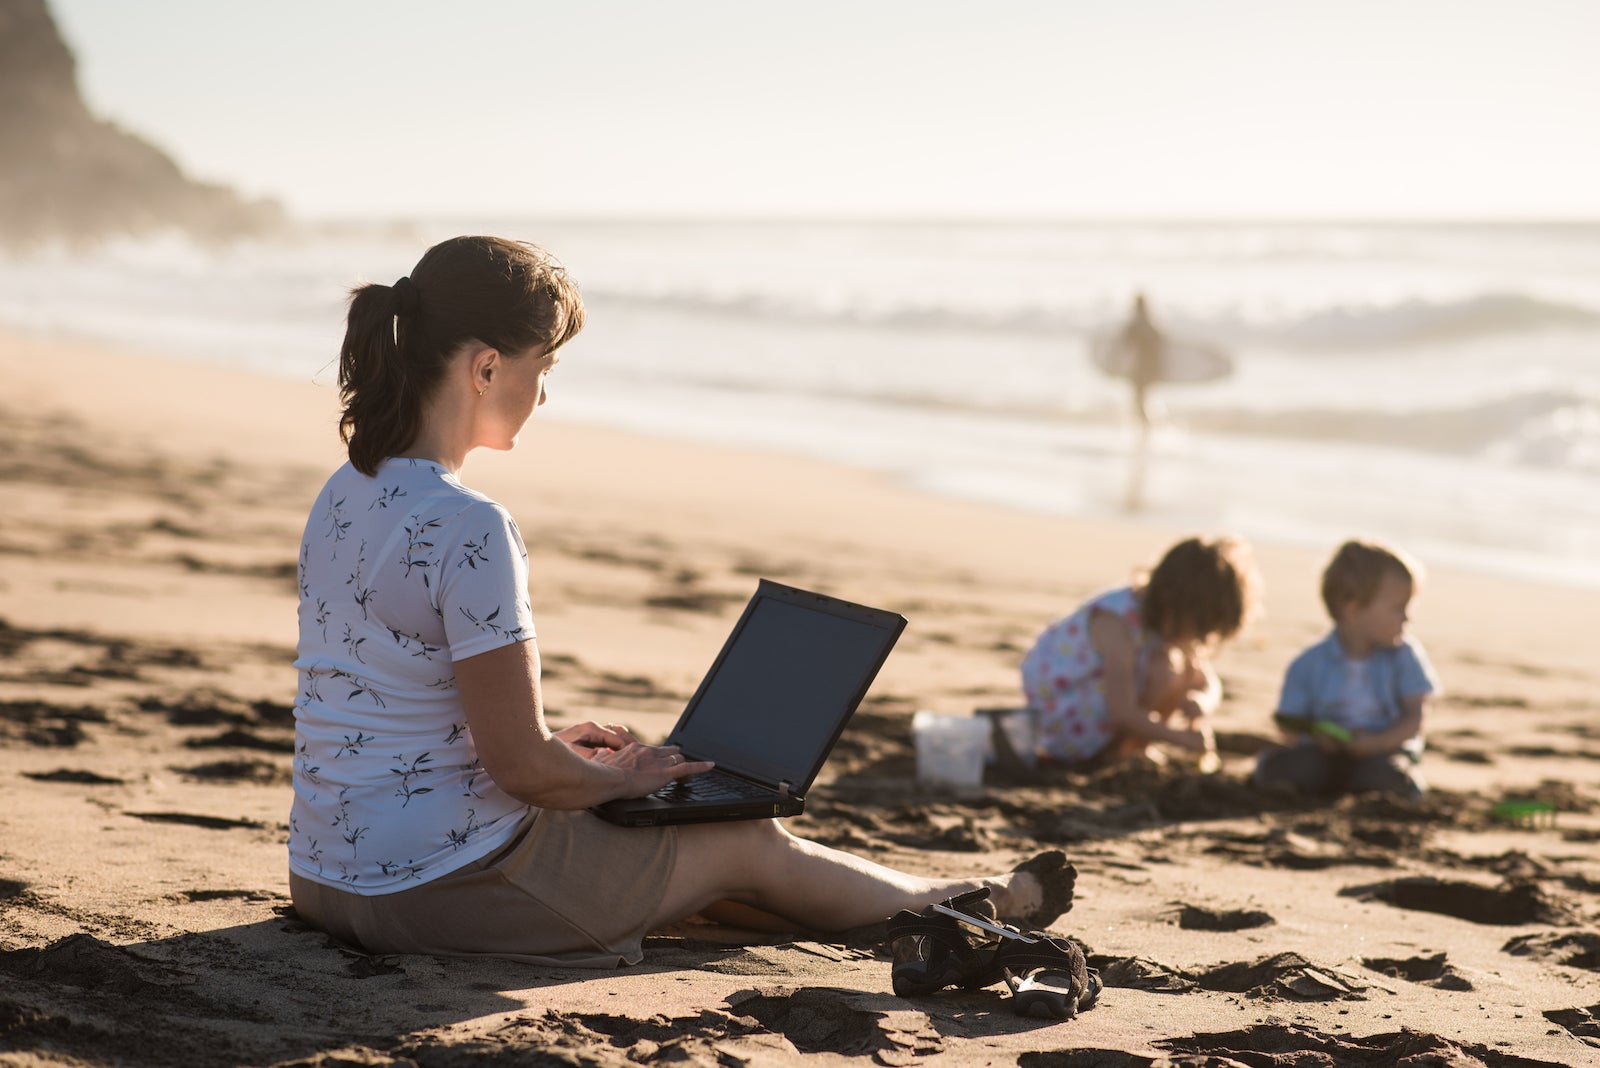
711	786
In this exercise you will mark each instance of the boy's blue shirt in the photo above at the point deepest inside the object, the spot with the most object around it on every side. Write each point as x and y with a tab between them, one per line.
1314	684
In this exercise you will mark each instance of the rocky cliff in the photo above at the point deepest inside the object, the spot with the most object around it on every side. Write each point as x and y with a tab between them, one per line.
66	175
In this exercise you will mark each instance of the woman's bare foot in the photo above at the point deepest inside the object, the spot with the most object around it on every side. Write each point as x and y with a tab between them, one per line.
1035	892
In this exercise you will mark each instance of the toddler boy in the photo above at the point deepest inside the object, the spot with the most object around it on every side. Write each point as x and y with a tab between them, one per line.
1352	704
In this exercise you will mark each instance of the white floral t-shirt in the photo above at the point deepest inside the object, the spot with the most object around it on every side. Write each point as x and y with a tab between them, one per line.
401	575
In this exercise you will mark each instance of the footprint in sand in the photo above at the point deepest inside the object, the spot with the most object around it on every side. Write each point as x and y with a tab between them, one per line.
1290	1044
1513	903
1430	971
1575	949
1282	975
1582	1024
260	772
43	724
827	1020
1198	918
237	738
210	823
73	775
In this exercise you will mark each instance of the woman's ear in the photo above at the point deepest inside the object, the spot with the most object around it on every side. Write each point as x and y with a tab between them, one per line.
483	363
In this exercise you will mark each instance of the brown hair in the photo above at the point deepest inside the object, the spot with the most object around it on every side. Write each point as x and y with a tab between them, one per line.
1201	587
1356	571
508	295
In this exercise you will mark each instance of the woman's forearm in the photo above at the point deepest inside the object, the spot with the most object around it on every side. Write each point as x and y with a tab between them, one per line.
553	776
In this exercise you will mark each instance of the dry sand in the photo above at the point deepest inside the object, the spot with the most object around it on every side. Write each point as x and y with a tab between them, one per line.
150	518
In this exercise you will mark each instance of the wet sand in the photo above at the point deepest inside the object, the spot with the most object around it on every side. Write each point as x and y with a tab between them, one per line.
147	565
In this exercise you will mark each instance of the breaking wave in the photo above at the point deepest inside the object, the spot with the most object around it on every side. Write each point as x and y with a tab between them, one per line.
1402	323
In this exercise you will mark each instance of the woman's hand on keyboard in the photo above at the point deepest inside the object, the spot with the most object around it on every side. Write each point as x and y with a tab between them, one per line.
591	739
650	767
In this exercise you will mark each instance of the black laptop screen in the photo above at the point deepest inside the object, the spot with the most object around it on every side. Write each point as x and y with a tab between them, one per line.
783	688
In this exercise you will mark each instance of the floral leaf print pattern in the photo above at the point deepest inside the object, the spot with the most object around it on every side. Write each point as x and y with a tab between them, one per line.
313	847
389	867
405	641
416	542
353	745
352	643
459	838
362	689
363	593
308	769
407	772
338	525
386	497
348	830
322	617
443	684
305	555
473	552
469	788
488	623
456	731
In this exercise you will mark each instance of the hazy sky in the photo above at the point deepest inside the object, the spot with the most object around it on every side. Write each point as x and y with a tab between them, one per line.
1460	108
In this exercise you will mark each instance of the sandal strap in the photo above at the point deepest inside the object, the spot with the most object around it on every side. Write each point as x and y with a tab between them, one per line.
969	901
932	923
1045	952
905	924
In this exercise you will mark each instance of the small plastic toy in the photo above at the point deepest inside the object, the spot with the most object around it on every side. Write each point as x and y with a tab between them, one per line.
1525	812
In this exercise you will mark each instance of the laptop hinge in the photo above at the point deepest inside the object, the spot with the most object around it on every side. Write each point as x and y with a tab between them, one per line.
787	787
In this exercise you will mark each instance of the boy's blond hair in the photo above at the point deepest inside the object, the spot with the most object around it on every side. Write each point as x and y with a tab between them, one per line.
1356	571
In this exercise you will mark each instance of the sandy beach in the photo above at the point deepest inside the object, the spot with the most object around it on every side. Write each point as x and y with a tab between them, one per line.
147	563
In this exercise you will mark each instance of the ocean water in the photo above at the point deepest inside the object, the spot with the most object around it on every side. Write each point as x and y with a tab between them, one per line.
1434	385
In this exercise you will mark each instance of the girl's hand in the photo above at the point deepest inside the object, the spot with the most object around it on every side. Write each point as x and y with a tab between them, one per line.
1197	740
650	767
1329	744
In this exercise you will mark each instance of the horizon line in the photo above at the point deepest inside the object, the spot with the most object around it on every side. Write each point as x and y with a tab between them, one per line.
923	219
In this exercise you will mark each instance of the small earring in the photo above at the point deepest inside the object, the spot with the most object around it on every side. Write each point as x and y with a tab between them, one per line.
484	390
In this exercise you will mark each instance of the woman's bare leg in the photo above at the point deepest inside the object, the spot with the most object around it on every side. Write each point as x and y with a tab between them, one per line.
746	918
758	863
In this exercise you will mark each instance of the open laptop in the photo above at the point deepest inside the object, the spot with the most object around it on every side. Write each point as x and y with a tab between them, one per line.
770	709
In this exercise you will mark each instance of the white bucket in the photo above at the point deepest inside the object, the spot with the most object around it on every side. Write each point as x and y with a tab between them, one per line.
950	749
1021	732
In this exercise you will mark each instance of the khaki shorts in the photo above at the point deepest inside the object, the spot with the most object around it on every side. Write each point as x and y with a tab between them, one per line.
567	889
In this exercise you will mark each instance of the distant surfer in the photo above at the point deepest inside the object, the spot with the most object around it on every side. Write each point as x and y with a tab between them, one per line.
1145	345
1143	354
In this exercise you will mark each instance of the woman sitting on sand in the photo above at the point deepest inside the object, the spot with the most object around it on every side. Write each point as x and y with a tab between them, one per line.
434	811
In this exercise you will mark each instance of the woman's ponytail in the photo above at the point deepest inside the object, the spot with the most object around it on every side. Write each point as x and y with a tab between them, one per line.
382	407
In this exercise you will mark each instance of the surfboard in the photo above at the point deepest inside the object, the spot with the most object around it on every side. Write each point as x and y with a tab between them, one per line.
1182	361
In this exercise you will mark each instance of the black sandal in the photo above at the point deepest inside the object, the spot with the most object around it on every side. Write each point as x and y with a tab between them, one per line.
1047	976
931	950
